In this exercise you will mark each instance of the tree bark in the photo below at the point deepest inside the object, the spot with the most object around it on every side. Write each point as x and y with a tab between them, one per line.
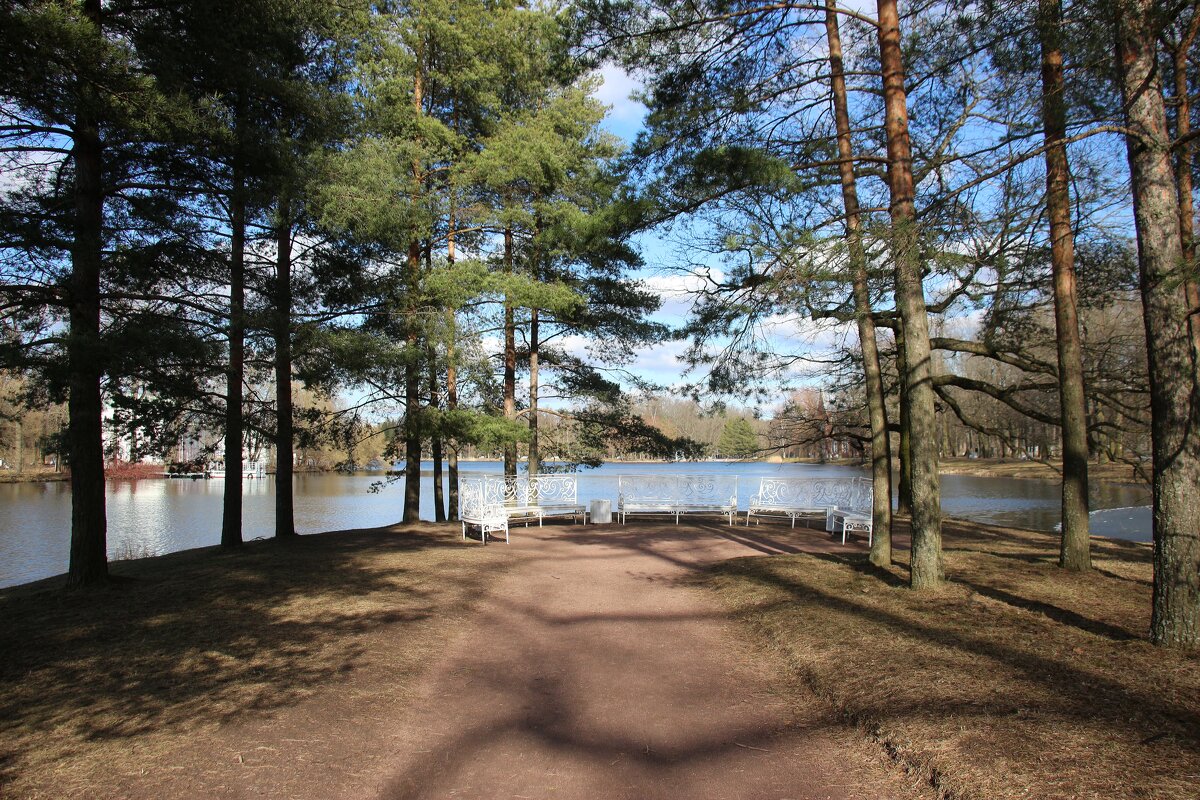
881	468
285	524
435	403
510	363
1183	173
89	525
926	569
451	405
534	465
904	439
412	392
412	354
435	442
1175	412
1075	548
231	515
451	379
535	454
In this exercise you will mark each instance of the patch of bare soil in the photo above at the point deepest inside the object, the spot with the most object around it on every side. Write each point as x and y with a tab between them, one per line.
176	679
1016	680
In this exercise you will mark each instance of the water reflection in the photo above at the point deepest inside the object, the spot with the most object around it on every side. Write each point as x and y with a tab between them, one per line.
151	517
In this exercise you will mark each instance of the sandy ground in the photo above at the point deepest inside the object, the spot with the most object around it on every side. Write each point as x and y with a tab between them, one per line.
592	669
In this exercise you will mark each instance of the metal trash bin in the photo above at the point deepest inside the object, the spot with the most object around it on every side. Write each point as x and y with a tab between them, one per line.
601	512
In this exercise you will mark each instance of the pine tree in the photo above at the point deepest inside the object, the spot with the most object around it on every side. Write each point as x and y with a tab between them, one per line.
1174	372
89	230
738	439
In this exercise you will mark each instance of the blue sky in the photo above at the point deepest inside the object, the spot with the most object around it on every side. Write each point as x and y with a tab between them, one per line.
664	267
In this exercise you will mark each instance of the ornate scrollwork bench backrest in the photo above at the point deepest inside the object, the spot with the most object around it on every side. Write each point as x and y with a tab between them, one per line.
523	491
811	493
681	490
708	490
553	489
480	498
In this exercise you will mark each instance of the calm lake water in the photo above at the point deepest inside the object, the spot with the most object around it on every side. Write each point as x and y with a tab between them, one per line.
151	517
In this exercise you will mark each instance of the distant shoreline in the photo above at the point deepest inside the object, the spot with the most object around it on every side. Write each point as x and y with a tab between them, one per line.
1035	470
974	467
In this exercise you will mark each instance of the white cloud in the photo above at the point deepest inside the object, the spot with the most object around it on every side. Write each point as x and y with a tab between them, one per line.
625	115
615	90
660	361
675	285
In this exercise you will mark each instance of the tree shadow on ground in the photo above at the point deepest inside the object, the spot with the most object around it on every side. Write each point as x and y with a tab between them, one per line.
941	643
587	696
663	540
1019	568
193	639
1061	615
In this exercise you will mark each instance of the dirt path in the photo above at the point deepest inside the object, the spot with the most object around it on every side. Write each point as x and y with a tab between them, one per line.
592	673
592	670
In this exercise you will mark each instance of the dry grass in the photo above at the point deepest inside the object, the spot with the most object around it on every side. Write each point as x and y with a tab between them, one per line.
180	645
1015	681
1111	472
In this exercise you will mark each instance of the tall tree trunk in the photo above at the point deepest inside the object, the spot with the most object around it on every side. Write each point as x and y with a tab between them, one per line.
89	525
1183	171
926	566
412	393
1174	409
435	442
435	403
412	355
904	439
451	380
534	465
231	517
510	363
881	468
535	454
285	524
1074	550
451	405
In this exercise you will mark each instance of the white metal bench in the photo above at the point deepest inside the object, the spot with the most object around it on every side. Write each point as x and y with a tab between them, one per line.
529	497
480	504
857	514
801	497
676	494
521	499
